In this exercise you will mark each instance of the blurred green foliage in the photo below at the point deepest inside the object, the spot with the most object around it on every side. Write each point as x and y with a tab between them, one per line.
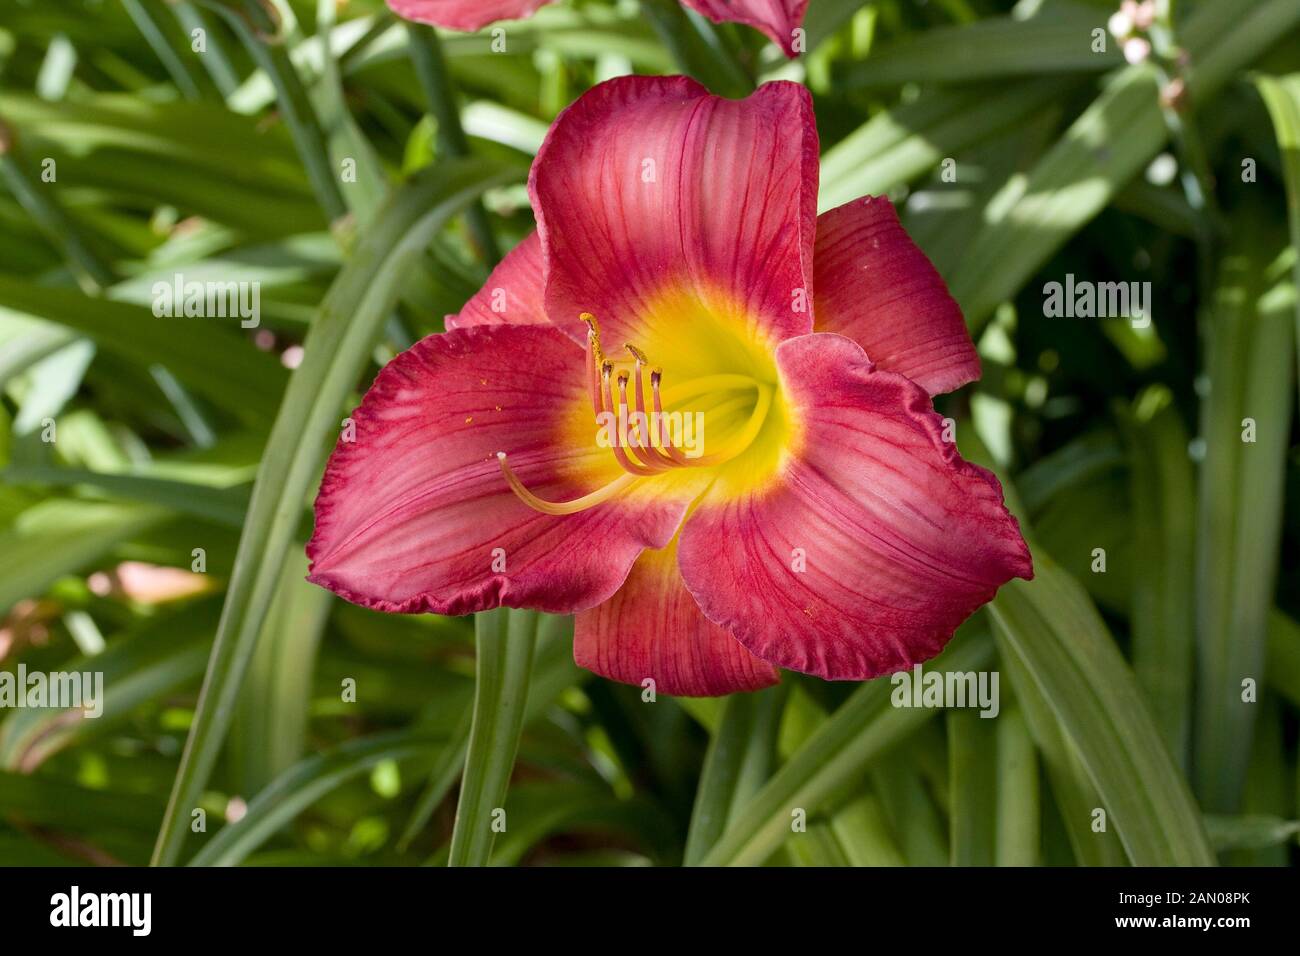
1151	670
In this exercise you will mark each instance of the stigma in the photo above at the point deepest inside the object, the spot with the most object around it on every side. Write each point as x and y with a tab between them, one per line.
642	422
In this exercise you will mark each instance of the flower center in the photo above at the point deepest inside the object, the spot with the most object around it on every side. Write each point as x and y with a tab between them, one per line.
652	429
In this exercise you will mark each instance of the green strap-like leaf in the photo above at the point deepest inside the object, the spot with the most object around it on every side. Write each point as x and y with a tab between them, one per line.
1252	832
336	349
719	775
1103	150
1050	627
270	727
864	835
302	785
538	809
215	361
740	760
1163	489
698	48
295	104
431	68
910	809
505	640
62	536
45	801
1056	40
1075	796
1246	428
836	755
153	33
1282	97
164	655
897	145
1284	656
224	505
973	787
1019	811
553	671
1064	661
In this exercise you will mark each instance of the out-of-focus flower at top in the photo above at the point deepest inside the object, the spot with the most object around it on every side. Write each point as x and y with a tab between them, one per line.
777	19
686	409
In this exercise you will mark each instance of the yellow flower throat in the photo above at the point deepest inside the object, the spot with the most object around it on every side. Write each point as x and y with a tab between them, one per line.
640	419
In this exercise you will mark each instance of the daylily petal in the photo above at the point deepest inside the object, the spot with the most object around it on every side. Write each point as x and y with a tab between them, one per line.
657	200
873	543
415	515
875	286
512	294
466	15
778	19
653	628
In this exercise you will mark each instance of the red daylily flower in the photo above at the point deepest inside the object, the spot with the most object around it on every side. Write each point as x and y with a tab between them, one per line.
825	525
777	19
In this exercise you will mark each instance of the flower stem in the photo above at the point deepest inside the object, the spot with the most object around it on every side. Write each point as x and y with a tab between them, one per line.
505	639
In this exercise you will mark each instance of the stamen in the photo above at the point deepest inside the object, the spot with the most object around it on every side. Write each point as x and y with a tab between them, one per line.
620	416
646	436
656	376
640	393
595	359
648	449
644	459
597	497
673	452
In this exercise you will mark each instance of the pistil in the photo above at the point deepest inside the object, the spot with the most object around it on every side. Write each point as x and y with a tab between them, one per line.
599	496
